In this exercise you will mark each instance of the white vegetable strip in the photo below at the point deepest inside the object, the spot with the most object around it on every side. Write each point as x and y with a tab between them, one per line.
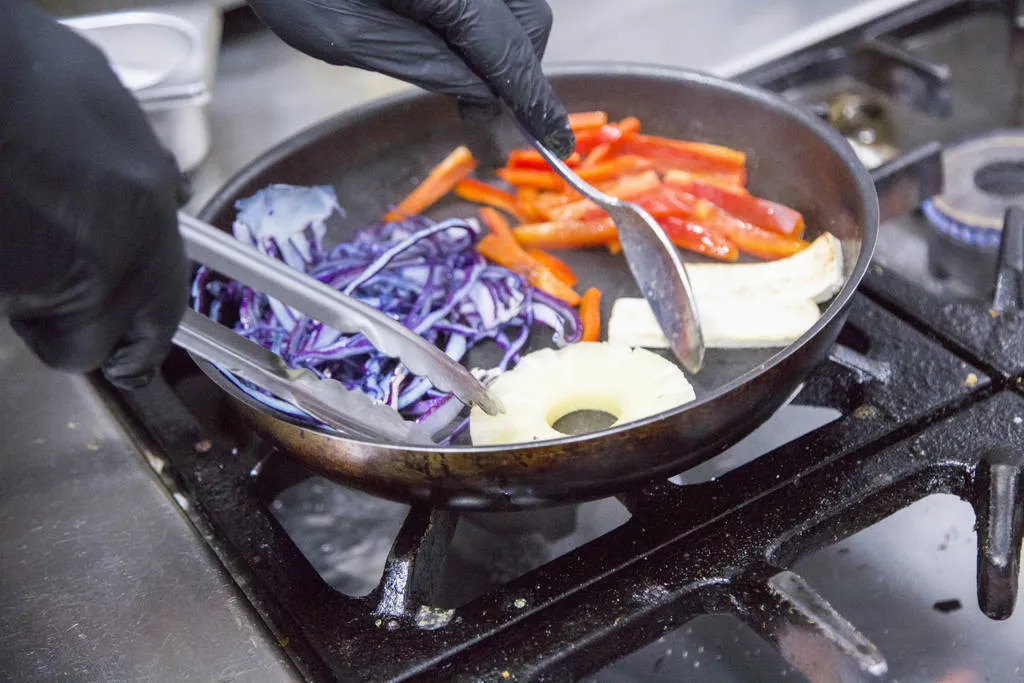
816	273
726	322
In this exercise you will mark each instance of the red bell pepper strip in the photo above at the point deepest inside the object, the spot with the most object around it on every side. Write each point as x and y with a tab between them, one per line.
501	247
668	154
760	212
556	265
699	239
587	119
566	234
749	238
439	182
732	181
478	192
590	315
666	200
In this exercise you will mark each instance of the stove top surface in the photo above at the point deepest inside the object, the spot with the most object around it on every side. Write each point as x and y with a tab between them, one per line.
863	533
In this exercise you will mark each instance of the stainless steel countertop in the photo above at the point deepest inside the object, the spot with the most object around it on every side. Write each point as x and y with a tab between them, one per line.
101	576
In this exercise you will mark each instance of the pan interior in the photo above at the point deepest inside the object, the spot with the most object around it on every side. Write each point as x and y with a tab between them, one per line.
374	157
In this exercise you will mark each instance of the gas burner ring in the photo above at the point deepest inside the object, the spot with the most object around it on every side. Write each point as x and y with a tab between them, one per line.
984	176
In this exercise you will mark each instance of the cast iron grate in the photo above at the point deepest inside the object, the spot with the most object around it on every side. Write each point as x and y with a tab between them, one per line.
717	547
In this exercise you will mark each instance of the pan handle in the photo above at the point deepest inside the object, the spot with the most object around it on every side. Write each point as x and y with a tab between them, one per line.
903	183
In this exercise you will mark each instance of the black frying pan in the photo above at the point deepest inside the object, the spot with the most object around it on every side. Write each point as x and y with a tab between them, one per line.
375	154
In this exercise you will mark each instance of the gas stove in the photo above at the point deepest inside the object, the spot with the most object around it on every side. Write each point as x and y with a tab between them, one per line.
841	541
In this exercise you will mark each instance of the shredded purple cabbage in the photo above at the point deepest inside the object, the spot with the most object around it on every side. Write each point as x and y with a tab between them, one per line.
427	275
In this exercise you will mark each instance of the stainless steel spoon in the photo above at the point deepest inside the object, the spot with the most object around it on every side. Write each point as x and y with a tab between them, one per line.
654	262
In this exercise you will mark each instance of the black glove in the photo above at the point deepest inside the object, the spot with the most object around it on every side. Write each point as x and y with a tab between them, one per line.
92	266
472	49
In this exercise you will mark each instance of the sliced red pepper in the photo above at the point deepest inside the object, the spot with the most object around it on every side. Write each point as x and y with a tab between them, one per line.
699	239
502	248
668	154
760	212
666	200
625	188
590	315
749	238
478	192
587	119
439	182
566	234
556	265
587	140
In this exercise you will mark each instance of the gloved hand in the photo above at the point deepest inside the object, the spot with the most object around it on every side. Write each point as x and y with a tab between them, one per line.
92	266
475	50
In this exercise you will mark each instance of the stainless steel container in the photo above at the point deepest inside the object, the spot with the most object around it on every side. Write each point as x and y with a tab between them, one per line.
167	57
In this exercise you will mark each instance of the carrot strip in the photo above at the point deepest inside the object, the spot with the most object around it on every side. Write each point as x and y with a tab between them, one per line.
439	182
587	119
501	247
525	177
760	212
556	265
565	234
590	315
498	225
598	173
478	192
526	203
528	159
629	125
625	188
597	155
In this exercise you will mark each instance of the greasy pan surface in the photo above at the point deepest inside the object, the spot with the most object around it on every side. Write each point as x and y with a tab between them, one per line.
374	155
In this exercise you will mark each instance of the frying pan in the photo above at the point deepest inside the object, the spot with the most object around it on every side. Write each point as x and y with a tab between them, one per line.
375	155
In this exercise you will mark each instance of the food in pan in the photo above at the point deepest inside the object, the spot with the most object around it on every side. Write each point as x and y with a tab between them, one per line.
427	275
548	384
492	277
746	305
725	322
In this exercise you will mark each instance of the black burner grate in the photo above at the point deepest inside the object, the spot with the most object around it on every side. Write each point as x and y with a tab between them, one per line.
721	546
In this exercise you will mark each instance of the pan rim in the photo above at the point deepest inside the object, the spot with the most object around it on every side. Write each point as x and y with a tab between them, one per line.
838	145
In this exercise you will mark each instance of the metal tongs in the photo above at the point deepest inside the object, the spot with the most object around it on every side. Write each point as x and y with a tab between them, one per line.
351	412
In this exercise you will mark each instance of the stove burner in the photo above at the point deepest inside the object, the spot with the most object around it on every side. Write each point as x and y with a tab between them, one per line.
984	177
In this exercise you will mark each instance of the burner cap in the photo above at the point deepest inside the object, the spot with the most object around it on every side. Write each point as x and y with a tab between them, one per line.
984	177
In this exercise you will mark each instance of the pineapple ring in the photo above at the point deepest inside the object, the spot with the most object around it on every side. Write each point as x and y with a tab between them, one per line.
548	384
